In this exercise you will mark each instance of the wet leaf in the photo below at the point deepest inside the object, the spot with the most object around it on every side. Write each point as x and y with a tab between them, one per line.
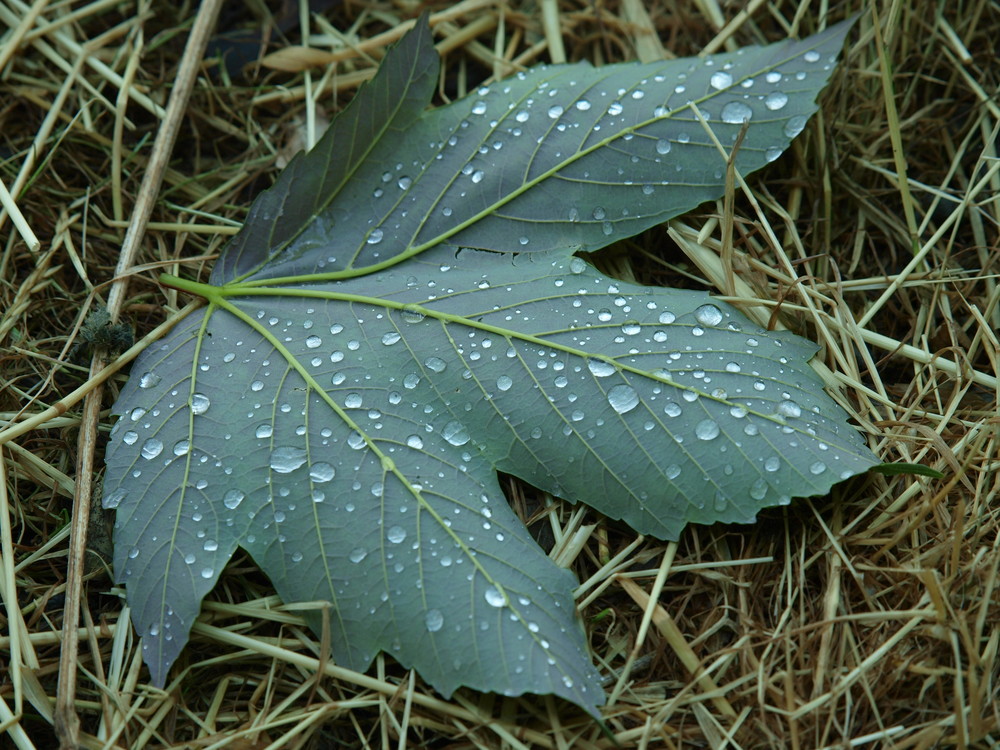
341	406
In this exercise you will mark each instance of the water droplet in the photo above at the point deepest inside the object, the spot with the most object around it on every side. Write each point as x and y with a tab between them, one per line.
522	115
357	554
720	502
353	400
210	545
758	489
817	468
404	183
181	447
199	403
287	459
321	472
601	368
504	383
721	80
631	328
663	146
415	442
478	175
623	398
736	113
773	77
207	573
356	441
375	237
708	315
789	409
130	437
772	463
434	620
706	429
667	317
151	448
412	313
737	412
148	380
555	112
775	101
411	381
795	125
811	56
615	108
567	680
599	213
390	338
435	364
264	431
232	499
396	534
672	409
454	432
583	105
493	597
114	499
772	153
479	108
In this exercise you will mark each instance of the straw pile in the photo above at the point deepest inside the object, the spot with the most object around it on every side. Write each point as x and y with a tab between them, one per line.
869	618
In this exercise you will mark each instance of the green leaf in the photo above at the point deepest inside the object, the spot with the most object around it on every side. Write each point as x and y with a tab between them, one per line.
342	405
901	467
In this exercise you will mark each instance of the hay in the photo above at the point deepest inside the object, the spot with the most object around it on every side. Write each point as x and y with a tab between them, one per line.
867	618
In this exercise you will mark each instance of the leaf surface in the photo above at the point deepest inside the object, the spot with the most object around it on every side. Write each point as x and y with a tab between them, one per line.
341	406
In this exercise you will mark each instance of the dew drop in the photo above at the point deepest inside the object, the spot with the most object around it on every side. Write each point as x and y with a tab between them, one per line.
789	409
357	554
811	56
415	442
199	403
375	237
555	111
794	126
817	468
623	398
672	409
287	459
736	113
772	463
504	383
207	573
631	328
615	108
758	489
264	431
182	447
708	315
577	265
396	534
599	213
583	105
454	432
355	440
411	381
434	620
314	342
149	380
493	597
479	108
130	437
706	429
663	146
601	368
321	472
114	499
435	364
390	338
232	499
667	317
721	80
772	153
775	101
151	448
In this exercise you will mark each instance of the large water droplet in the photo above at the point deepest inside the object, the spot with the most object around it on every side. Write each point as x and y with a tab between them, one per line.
390	338
151	448
435	364
434	620
375	237
775	100
113	499
321	472
795	125
493	597
736	113
817	468
415	441
287	459
706	429
148	380
772	463
199	403
623	398
789	409
708	315
353	400
455	433
577	265
233	498
663	146
721	80
601	368
396	534
357	554
504	382
264	431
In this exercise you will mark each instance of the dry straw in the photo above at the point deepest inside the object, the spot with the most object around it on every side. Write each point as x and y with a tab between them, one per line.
869	618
